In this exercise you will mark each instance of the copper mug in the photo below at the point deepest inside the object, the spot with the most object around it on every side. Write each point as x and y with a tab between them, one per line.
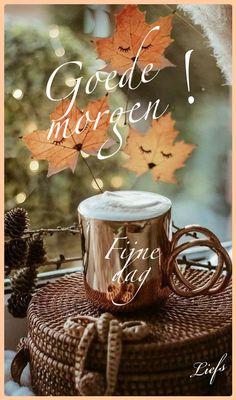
130	254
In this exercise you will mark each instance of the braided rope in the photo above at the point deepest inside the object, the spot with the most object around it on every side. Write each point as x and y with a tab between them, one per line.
108	330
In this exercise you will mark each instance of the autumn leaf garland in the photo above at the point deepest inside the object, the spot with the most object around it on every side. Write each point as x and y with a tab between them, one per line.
156	151
62	153
131	29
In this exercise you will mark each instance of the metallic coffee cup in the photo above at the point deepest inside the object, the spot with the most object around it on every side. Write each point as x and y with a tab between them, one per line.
114	282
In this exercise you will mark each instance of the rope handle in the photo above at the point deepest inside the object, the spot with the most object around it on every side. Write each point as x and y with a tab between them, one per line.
109	331
223	269
20	360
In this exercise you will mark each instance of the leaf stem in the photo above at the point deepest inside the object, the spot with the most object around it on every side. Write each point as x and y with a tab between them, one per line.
126	105
91	172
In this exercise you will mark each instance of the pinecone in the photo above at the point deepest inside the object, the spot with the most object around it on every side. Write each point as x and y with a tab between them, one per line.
16	221
37	252
18	304
16	252
23	281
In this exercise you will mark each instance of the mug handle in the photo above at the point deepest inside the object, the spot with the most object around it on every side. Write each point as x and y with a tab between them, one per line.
173	271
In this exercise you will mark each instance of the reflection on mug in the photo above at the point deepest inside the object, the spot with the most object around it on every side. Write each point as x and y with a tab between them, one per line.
129	254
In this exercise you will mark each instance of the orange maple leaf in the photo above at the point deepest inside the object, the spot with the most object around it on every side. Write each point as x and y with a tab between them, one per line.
156	151
62	153
120	50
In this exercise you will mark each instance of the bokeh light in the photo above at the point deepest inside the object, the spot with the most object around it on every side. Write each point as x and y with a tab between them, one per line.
17	94
53	31
31	126
60	52
70	81
117	181
34	165
20	198
94	185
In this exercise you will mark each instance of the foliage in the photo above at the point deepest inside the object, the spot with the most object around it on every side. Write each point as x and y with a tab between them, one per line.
156	151
200	197
30	59
122	48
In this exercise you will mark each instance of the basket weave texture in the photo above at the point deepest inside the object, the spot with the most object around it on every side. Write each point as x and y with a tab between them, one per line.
183	332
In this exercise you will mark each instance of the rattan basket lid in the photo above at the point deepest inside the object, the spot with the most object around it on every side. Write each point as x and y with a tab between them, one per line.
183	331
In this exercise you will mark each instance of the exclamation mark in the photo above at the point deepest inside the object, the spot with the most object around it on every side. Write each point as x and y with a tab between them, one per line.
187	59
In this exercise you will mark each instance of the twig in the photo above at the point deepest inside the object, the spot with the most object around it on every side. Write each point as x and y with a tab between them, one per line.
194	234
191	263
61	260
181	261
50	231
56	261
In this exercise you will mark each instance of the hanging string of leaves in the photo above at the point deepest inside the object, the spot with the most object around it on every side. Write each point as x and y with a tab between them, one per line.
134	44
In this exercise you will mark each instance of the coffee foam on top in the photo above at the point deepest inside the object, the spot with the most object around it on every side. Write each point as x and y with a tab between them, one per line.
124	205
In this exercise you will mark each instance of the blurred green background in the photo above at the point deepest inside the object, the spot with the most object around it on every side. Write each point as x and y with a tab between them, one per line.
38	38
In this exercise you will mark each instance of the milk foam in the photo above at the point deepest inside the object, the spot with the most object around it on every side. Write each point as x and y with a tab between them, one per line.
124	205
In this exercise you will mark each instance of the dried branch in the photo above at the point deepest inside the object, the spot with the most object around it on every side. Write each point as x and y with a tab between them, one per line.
194	234
50	231
61	260
181	261
192	263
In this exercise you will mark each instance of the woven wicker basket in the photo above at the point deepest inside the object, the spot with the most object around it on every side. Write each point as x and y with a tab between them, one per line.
183	331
